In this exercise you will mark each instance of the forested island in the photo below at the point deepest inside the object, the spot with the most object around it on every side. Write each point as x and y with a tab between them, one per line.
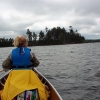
54	36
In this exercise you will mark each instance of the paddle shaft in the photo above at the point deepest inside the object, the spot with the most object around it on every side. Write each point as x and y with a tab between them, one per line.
1	70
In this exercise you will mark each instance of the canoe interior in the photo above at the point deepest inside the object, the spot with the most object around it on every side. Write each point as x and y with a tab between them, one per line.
54	95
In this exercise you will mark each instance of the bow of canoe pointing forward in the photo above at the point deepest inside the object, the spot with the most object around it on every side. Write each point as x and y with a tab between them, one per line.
54	95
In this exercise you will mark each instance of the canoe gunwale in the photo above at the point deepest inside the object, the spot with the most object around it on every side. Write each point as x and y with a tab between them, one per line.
50	85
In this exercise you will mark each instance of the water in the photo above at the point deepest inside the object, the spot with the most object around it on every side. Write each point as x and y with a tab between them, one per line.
73	69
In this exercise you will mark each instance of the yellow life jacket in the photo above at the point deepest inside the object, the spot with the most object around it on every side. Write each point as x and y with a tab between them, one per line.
20	80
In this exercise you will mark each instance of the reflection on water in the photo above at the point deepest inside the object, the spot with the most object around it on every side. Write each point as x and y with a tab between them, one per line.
73	69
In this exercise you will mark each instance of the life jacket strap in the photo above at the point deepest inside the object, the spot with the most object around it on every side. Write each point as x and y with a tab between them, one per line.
21	66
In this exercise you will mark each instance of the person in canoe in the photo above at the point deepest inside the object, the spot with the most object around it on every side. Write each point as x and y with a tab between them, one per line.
29	58
22	78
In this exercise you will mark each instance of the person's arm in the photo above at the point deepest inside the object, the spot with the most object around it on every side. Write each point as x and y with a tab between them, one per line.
7	64
34	60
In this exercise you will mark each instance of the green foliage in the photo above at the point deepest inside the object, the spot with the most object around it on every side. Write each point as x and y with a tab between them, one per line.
6	42
55	36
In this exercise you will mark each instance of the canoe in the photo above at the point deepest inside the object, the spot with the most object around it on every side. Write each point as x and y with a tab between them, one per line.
54	95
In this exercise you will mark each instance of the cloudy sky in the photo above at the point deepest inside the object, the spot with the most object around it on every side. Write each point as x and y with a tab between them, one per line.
16	16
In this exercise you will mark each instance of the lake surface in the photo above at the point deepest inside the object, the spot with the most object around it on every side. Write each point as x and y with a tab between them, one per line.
73	69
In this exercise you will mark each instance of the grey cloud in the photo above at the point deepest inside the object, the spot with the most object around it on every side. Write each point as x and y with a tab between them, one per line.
49	6
87	7
37	14
92	36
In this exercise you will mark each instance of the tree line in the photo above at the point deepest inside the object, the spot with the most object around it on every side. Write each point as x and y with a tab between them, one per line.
54	36
6	42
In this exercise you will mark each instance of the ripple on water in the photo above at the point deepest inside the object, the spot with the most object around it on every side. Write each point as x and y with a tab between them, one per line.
72	69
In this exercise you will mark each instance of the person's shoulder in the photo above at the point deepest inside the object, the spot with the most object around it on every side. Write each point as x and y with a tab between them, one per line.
13	49
28	48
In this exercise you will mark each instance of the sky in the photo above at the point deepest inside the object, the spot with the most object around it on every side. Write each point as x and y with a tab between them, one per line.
16	16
